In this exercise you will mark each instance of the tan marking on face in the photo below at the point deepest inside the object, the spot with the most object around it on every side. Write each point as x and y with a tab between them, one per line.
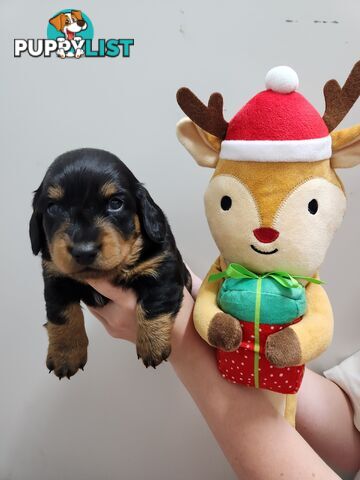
108	189
271	182
116	250
149	267
153	343
68	342
59	251
55	192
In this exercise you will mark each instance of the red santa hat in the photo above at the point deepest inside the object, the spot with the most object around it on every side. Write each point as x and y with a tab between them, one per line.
277	125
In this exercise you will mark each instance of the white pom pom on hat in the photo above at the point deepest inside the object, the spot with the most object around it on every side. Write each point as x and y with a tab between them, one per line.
282	79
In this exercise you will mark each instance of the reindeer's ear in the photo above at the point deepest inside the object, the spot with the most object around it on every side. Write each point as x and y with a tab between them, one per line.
58	22
346	147
203	146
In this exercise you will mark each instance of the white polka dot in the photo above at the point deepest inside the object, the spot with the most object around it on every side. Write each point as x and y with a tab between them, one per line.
242	363
232	361
225	359
286	381
281	374
252	374
252	336
290	386
275	383
237	367
288	369
271	374
245	356
272	327
271	366
223	375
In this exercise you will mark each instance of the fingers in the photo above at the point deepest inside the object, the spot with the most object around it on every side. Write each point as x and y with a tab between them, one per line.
117	294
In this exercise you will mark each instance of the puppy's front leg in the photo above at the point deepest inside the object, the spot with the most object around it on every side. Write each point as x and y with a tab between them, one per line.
156	311
66	330
153	342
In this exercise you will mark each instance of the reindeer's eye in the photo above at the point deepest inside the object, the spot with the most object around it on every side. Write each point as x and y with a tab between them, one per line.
313	206
226	202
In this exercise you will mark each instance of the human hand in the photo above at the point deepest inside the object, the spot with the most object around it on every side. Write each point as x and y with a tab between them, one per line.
119	315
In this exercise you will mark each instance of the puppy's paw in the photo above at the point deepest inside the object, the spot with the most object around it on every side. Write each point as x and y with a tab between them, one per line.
225	332
61	54
65	360
152	351
79	53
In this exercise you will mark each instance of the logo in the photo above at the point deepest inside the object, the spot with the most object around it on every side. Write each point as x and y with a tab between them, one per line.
70	34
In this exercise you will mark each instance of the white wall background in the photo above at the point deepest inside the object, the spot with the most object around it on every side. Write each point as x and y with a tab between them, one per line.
118	420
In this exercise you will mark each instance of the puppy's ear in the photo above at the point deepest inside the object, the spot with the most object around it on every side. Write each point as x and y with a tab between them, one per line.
36	231
151	216
58	22
77	14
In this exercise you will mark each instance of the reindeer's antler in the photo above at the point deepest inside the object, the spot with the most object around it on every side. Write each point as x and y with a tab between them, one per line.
210	118
338	101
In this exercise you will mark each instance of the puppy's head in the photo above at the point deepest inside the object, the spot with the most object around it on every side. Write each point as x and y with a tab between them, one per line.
69	23
91	217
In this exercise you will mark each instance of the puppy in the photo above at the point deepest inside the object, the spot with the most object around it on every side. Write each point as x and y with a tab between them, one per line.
69	24
93	219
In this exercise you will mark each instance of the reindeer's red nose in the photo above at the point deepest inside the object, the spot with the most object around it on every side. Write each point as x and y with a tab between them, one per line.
266	234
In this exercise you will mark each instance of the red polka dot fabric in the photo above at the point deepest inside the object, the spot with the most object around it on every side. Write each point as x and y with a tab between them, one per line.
240	366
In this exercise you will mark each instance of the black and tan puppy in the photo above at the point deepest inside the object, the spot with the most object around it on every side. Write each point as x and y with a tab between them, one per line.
92	218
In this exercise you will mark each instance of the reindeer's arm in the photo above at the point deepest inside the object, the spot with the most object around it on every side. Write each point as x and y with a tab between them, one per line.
213	325
306	340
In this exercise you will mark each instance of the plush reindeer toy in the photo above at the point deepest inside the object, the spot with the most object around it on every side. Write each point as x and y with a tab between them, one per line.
273	205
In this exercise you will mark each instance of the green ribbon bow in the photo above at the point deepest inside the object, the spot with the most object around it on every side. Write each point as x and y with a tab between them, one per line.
234	270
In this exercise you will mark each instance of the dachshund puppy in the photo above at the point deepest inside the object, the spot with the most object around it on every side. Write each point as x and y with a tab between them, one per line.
93	219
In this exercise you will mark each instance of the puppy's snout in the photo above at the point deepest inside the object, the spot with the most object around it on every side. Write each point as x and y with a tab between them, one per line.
81	23
85	253
266	234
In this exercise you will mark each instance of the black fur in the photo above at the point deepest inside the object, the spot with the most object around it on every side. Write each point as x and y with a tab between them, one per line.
81	174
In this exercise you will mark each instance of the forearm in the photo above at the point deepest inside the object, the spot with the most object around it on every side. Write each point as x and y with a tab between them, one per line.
326	420
258	443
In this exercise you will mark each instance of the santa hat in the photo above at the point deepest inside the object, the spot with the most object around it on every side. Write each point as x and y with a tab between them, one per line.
277	125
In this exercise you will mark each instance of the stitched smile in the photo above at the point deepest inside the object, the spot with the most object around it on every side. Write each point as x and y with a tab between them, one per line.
264	253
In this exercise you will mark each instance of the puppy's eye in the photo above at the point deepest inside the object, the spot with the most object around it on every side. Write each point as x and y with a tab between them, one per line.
54	209
313	206
226	202
115	204
67	21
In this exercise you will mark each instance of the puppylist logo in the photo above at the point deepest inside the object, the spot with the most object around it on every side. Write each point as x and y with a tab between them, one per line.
70	34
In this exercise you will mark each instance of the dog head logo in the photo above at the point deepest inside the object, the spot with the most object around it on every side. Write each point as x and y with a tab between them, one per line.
74	27
70	34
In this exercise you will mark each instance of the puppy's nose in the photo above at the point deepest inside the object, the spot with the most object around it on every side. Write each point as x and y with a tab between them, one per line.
84	253
266	234
81	23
